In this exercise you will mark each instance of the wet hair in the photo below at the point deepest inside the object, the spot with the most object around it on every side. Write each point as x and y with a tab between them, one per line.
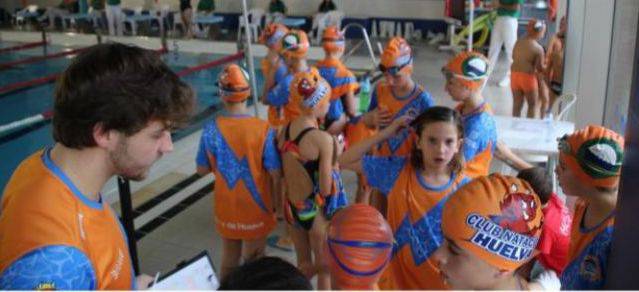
433	115
266	273
539	180
118	87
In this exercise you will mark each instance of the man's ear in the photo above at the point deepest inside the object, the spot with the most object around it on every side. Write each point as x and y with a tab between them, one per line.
104	138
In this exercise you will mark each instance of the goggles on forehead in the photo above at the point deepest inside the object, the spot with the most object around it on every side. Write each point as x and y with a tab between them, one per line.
226	90
448	74
394	70
339	40
563	146
275	37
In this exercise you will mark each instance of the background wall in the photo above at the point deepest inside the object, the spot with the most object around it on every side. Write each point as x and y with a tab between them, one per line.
587	56
624	40
420	9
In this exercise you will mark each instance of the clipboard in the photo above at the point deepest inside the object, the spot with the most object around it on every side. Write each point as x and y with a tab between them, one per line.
197	273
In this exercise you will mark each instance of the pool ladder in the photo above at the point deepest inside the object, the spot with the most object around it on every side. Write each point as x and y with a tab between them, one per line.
359	44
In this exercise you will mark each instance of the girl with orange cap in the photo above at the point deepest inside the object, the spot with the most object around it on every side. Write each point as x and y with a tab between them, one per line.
345	86
314	188
416	188
294	47
242	153
466	74
491	228
359	244
273	67
274	71
589	168
528	61
341	79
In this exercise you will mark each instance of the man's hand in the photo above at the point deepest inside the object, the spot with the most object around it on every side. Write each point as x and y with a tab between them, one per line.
143	281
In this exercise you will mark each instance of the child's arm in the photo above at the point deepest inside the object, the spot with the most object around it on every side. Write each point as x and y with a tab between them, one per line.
273	164
269	82
338	126
540	64
552	49
326	143
276	186
203	165
350	104
507	156
352	158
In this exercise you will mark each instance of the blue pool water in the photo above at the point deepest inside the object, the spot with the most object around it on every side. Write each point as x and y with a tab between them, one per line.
35	100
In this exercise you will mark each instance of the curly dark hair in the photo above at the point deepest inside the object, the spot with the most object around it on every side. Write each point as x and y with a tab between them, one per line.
266	273
118	87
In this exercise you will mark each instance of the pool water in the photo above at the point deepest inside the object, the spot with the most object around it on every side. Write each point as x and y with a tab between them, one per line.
18	105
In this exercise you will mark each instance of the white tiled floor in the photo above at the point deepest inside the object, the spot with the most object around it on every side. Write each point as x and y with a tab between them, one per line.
192	231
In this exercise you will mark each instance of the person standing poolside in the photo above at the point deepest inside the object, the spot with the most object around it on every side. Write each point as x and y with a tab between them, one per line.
114	109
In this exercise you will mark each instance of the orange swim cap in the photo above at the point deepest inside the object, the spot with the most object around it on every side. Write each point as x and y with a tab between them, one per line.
359	245
397	54
272	35
295	44
536	28
333	39
594	155
471	67
497	218
233	84
309	89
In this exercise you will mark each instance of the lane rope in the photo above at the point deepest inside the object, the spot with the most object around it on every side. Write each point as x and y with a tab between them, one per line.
46	116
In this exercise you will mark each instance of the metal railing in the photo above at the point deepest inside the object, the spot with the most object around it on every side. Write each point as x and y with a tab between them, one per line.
366	40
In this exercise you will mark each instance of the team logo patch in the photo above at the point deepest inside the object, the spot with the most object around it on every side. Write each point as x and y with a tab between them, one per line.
600	158
291	42
511	234
311	95
590	269
475	67
46	286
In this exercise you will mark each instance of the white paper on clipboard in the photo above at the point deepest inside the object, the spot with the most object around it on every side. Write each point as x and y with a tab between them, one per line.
197	274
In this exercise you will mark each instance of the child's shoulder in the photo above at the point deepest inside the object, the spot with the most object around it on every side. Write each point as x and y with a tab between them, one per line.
243	122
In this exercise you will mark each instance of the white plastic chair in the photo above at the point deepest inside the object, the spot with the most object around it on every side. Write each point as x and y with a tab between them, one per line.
335	18
161	16
96	17
255	23
386	29
374	30
177	20
24	14
137	11
324	20
398	29
562	105
559	111
320	22
276	17
409	30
